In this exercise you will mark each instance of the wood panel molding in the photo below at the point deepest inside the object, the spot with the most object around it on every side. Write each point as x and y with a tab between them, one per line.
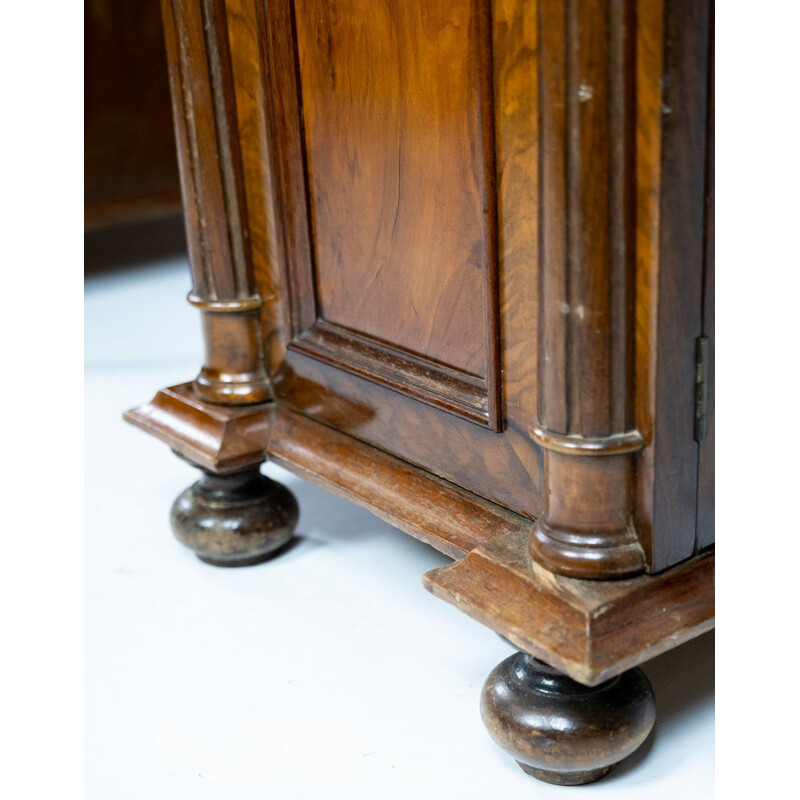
422	378
215	207
610	264
476	397
449	259
506	469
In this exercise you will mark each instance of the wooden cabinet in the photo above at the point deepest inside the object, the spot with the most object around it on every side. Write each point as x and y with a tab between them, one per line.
454	260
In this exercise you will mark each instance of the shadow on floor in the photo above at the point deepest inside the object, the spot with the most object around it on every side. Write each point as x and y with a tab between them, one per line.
683	682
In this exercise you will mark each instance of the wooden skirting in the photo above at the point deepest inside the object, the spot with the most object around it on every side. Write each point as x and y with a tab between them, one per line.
590	629
449	518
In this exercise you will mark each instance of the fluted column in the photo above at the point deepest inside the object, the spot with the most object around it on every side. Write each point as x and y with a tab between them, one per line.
587	271
215	209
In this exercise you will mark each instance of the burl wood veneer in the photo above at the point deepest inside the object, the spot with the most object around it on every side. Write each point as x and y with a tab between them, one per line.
454	261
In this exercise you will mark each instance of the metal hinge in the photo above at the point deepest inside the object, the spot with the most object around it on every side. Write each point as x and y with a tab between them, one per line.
700	388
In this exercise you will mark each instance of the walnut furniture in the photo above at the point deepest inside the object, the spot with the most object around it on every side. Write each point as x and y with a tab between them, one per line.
454	261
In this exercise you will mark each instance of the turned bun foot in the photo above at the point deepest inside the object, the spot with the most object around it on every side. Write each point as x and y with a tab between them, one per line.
560	731
236	519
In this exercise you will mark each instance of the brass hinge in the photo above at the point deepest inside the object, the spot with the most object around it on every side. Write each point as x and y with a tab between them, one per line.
700	388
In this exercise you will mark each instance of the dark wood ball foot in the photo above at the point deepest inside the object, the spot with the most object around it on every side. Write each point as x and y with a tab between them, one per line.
560	731
236	519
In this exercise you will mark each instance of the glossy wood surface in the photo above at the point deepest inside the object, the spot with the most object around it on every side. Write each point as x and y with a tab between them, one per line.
623	95
225	439
377	391
586	107
246	22
587	111
399	159
560	731
214	437
459	247
608	276
235	519
215	202
397	171
583	416
439	513
590	630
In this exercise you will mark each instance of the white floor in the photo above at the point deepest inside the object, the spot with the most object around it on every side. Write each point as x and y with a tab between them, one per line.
327	673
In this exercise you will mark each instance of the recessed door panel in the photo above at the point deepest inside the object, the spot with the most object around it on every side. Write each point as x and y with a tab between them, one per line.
410	327
391	109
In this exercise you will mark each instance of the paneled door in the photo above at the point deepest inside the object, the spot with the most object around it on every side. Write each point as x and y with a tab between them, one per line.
410	321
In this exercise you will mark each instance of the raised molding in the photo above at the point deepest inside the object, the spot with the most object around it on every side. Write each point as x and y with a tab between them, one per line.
477	398
411	374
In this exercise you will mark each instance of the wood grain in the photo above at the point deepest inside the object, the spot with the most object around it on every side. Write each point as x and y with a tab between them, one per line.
233	516
329	369
397	172
591	630
386	230
415	376
514	51
623	89
454	448
558	156
587	112
560	731
254	118
672	95
480	231
214	437
215	201
439	513
586	60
